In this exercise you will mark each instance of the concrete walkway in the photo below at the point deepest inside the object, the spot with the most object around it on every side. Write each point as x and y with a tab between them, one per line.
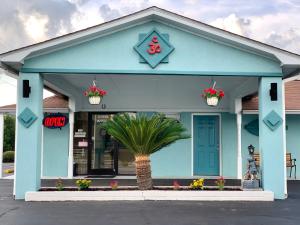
149	212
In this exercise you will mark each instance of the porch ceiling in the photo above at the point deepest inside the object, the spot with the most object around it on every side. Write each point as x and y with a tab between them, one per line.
151	92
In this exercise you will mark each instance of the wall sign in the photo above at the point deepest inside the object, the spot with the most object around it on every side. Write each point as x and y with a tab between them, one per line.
153	48
55	120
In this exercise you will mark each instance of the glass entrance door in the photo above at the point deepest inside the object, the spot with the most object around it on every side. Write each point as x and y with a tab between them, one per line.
102	157
105	155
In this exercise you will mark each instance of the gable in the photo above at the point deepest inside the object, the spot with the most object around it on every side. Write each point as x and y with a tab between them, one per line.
192	54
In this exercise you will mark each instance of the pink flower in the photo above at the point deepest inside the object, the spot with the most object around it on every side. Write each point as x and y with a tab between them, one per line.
176	185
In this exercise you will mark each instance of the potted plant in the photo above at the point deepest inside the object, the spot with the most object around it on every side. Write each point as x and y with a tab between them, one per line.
94	94
213	96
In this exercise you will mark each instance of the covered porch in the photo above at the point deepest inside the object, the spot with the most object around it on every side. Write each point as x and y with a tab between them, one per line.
177	96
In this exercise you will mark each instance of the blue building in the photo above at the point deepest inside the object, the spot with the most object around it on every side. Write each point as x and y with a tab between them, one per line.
117	55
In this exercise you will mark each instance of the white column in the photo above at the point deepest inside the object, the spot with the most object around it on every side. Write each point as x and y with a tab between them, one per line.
238	111
70	157
1	141
284	134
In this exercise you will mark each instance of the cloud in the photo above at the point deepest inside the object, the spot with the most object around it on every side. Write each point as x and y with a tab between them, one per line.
35	26
107	13
280	29
289	39
233	23
31	21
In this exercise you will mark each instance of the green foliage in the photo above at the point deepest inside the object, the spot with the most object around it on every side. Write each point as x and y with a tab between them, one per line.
59	184
143	135
9	133
9	156
83	184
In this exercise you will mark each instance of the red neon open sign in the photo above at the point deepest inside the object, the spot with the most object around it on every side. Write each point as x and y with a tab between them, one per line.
56	120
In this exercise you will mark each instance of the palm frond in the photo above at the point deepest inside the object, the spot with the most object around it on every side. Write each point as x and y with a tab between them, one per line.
144	135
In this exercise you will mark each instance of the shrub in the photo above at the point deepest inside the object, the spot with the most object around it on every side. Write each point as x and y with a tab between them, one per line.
83	184
9	156
9	133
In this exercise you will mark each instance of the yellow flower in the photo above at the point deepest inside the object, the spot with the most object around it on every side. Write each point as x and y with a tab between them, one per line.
197	184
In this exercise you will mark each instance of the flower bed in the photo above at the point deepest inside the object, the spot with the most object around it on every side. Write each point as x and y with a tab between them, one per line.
137	195
196	191
132	188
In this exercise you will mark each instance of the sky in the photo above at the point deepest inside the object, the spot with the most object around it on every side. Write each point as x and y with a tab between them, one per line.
24	22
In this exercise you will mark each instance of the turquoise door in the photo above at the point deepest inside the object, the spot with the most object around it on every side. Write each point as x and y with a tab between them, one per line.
206	145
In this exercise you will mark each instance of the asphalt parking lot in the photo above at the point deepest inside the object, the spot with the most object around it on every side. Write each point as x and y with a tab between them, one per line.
284	212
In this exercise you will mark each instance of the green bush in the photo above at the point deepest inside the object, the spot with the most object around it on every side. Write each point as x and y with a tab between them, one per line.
9	156
9	133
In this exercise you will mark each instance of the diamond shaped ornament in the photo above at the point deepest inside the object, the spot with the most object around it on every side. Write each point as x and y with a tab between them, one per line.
273	120
153	47
27	117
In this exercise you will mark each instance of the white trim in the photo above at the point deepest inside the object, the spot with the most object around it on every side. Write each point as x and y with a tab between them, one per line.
137	195
295	77
284	135
220	140
16	133
238	112
1	142
70	156
288	112
42	153
239	145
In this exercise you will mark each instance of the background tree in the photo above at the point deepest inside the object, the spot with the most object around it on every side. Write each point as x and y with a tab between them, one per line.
9	133
143	136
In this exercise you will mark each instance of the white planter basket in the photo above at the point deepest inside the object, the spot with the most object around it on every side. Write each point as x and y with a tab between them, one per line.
95	100
212	101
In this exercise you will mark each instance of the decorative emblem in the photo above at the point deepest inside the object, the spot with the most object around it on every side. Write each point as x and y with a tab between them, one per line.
273	120
27	117
153	48
253	127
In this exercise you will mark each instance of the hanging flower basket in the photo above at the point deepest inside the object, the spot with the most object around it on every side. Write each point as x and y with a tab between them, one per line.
95	94
212	101
95	100
213	96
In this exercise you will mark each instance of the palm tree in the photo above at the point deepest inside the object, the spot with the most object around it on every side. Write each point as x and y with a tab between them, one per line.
143	136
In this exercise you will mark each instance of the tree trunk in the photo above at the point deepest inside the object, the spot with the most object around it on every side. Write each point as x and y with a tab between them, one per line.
143	172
